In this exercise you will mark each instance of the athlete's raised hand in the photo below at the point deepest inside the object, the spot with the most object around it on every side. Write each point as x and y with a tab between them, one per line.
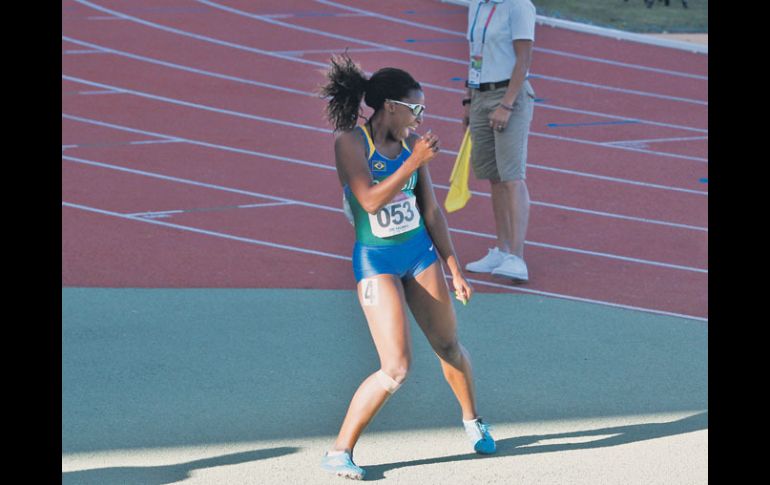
426	147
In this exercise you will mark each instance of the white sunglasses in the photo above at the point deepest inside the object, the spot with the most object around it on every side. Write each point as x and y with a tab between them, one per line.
417	109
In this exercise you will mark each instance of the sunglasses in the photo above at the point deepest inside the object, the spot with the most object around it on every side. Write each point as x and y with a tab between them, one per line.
416	109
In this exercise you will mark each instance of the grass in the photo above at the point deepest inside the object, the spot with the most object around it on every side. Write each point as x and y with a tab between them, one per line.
631	15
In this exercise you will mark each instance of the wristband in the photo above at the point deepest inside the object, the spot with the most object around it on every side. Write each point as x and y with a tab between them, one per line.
466	101
506	107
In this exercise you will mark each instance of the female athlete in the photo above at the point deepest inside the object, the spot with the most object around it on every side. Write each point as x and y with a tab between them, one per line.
400	232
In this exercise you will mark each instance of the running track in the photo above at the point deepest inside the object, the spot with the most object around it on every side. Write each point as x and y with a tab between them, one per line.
195	152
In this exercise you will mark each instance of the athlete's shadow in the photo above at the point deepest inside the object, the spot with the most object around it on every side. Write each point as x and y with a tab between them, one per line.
159	475
526	445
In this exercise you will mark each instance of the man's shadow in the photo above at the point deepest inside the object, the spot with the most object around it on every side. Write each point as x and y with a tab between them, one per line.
526	445
160	475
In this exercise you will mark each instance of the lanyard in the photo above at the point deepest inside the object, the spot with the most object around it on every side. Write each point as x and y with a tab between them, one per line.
475	18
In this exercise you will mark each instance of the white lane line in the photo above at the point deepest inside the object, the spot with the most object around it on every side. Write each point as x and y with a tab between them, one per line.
327	130
422	26
294	15
585	300
596	213
82	51
152	142
335	209
589	253
347	258
623	118
166	213
620	147
331	168
327	51
190	69
206	232
231	44
635	92
623	64
101	91
198	36
112	144
315	95
625	181
202	106
658	140
453	119
180	180
200	143
453	60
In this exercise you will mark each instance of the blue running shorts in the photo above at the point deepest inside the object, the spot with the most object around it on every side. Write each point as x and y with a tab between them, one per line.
405	260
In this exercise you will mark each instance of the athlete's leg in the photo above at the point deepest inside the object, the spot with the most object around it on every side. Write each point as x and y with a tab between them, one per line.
431	304
382	299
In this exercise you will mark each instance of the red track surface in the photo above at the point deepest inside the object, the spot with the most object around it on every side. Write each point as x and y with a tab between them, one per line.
247	143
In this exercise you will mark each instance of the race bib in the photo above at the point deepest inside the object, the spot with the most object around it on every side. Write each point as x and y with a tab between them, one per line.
396	218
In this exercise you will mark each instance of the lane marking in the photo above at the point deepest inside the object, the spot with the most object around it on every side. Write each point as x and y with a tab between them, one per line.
165	213
209	233
347	258
327	130
201	106
591	123
327	51
659	140
101	91
433	40
452	60
331	168
83	51
310	14
188	68
589	253
306	93
198	184
335	209
231	44
423	26
113	144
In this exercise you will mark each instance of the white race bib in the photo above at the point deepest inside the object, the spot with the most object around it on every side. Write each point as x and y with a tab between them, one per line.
398	217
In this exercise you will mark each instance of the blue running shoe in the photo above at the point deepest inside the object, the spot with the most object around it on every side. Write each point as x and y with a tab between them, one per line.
478	431
342	465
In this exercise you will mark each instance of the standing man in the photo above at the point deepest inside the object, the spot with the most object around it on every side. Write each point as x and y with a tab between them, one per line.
498	106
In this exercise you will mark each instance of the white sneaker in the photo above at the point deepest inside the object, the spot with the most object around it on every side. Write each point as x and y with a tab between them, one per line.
489	262
512	267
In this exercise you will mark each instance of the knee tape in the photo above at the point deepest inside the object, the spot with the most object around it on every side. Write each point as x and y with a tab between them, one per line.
391	385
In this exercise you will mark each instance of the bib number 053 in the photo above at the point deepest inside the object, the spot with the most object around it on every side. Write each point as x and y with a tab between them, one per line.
395	218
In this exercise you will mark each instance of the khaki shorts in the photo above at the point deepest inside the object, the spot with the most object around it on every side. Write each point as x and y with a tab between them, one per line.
500	155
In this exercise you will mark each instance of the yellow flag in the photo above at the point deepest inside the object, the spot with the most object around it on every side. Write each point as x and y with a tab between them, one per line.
459	193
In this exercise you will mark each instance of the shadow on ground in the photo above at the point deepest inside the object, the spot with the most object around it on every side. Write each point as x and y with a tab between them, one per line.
526	445
146	368
160	475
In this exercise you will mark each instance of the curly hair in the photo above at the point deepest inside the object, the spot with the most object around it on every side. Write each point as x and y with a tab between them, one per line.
347	85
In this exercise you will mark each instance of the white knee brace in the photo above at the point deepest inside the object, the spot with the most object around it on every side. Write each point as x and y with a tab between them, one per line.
391	385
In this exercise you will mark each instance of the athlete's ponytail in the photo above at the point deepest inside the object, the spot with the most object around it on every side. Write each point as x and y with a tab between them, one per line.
347	85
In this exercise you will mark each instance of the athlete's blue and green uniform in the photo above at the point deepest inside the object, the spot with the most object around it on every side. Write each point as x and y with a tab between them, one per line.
406	254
